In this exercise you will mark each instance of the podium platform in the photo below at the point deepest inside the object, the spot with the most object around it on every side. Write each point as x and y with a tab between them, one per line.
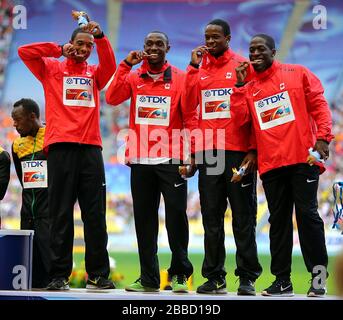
121	294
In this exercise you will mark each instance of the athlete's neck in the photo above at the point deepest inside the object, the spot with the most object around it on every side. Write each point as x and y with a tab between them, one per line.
35	129
156	68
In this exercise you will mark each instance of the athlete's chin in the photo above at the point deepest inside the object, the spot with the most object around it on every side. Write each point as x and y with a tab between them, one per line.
80	59
154	61
259	67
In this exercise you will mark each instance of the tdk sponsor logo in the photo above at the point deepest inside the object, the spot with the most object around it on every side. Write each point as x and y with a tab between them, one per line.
272	99
82	81
218	92
152	99
33	164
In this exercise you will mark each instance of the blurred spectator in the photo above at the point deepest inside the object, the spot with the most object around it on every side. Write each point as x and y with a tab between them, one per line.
6	31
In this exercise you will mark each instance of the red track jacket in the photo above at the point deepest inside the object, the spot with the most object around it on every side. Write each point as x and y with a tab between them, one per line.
155	110
210	87
71	90
289	113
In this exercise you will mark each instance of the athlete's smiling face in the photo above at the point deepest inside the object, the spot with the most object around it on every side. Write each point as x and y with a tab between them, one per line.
261	54
215	40
83	44
156	45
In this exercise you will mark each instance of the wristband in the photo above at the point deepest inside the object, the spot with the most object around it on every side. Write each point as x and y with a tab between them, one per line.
128	63
195	65
239	84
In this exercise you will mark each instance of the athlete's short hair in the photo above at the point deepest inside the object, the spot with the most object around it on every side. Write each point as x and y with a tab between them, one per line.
76	32
269	40
29	106
225	26
160	32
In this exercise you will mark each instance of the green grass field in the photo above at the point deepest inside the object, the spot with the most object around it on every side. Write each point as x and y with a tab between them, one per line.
127	264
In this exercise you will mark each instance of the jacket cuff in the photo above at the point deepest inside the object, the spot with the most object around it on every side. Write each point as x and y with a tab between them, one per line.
195	65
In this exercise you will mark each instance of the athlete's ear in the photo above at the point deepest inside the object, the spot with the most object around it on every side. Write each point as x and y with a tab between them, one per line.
168	48
273	53
33	116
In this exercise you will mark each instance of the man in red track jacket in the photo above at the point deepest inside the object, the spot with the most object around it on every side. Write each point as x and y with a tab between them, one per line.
289	113
210	87
154	153
73	141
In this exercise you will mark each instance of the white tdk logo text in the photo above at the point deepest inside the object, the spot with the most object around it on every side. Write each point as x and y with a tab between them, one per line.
33	164
272	99
152	99
218	92
82	81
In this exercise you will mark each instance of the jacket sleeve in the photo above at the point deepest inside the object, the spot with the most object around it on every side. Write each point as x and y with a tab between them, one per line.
35	56
189	116
120	88
190	98
239	106
17	166
252	138
107	62
317	105
189	104
5	165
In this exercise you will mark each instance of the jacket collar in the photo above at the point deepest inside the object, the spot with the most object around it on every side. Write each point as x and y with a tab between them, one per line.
71	64
269	72
166	69
210	61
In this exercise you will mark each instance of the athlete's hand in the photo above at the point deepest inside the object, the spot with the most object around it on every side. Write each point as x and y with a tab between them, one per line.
198	53
68	50
93	28
242	71
189	170
250	161
323	148
135	57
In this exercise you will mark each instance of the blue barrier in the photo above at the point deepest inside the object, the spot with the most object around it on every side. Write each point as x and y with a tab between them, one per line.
16	259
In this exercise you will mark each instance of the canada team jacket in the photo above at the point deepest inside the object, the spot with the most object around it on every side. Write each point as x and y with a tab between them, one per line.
209	89
71	90
289	113
156	115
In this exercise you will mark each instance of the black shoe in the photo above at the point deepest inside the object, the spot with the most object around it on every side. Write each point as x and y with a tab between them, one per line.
316	290
246	287
279	287
99	283
58	284
213	286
